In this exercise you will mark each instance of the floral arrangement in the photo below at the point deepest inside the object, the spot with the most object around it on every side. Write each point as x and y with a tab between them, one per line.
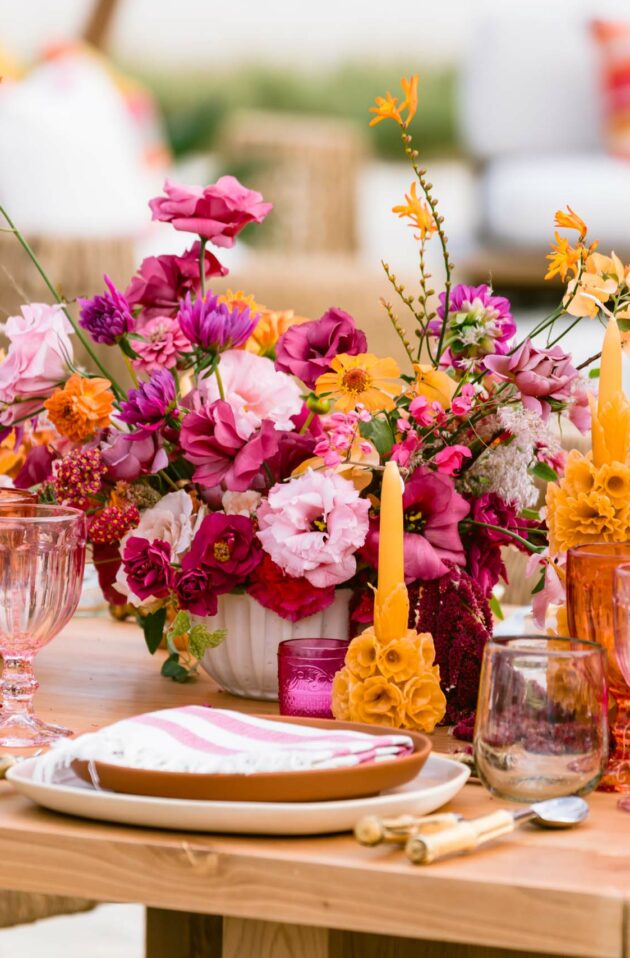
246	453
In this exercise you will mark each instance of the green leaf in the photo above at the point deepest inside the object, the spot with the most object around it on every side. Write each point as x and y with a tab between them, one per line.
543	471
201	639
593	373
153	628
540	585
495	607
127	348
171	669
379	432
180	624
530	514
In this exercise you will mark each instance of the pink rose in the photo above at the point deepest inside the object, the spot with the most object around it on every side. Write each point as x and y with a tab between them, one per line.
38	356
449	460
162	281
312	526
542	376
217	213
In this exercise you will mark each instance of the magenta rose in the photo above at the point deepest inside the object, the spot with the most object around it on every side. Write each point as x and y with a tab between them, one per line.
217	213
225	548
540	375
306	350
221	451
195	592
162	281
147	566
433	511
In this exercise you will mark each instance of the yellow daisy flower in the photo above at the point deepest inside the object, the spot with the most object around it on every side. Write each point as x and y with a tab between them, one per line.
362	379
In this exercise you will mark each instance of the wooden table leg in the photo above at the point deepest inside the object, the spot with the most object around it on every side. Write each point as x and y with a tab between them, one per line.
178	934
171	933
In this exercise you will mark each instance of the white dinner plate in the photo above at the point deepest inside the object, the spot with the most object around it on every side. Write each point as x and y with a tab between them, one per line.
438	782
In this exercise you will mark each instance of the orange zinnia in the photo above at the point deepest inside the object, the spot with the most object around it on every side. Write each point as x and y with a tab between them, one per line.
81	407
419	213
571	221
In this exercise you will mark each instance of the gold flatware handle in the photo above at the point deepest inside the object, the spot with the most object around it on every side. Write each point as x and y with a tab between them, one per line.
373	831
465	836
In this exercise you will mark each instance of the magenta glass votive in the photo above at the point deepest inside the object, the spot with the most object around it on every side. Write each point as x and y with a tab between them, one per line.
306	669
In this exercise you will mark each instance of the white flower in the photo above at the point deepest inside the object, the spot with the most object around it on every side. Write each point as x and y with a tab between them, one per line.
240	503
170	520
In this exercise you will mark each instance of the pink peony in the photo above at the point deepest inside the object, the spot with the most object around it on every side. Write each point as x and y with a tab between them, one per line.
449	460
433	511
312	525
217	213
255	391
212	441
161	345
162	281
540	375
37	361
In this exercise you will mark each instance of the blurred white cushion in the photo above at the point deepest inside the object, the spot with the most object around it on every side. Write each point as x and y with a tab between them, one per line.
70	163
521	195
528	83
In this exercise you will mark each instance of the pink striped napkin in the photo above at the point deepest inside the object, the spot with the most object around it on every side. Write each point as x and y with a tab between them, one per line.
199	739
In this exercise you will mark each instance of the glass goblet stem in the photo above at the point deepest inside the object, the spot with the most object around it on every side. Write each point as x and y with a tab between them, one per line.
617	777
18	686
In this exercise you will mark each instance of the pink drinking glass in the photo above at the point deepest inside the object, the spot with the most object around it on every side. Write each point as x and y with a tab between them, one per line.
621	622
306	669
42	556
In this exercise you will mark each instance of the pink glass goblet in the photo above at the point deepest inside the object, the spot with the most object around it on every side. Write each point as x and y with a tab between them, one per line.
42	556
590	590
306	669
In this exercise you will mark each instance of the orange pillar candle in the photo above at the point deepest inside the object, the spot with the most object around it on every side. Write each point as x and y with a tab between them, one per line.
610	384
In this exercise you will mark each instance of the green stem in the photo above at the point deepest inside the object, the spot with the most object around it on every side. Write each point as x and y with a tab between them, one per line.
40	269
507	532
307	422
131	370
202	265
219	383
167	479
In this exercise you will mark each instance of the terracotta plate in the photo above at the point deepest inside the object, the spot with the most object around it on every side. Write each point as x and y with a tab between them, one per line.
321	785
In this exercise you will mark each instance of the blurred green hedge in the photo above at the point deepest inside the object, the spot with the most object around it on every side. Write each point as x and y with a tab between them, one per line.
195	104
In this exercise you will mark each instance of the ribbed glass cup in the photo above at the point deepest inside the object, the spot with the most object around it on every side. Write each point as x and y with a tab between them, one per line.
306	669
42	557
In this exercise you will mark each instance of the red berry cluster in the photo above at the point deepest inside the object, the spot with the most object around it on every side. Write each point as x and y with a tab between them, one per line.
112	523
78	476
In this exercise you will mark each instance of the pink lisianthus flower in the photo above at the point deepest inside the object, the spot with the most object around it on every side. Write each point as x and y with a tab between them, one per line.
433	511
255	391
129	455
540	375
217	213
312	525
37	360
221	451
307	350
289	597
449	461
162	281
162	343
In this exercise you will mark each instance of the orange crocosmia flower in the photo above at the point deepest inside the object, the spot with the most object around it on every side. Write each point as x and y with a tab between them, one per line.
386	109
362	379
270	327
81	407
563	258
571	221
410	103
417	212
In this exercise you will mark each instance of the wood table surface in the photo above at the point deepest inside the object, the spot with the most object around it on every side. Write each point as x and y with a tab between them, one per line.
535	892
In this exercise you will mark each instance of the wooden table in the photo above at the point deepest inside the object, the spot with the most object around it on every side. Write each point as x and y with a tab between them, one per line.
563	893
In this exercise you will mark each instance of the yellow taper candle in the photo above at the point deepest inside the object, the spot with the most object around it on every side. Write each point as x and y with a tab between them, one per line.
610	384
392	604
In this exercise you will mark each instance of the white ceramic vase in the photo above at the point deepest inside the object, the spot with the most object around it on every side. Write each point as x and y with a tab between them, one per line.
246	662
